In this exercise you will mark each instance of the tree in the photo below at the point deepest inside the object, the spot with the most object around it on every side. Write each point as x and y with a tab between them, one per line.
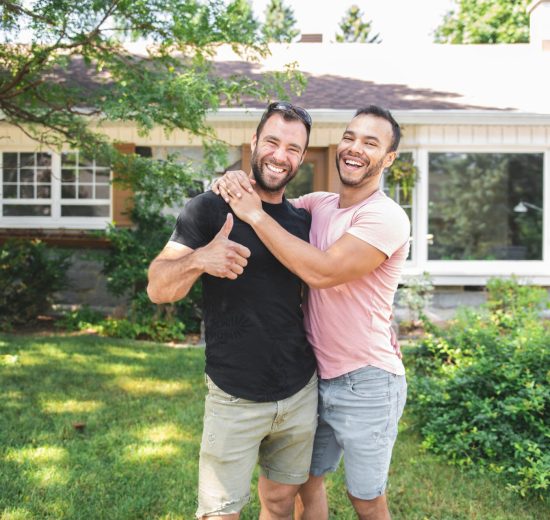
486	21
354	28
76	71
280	24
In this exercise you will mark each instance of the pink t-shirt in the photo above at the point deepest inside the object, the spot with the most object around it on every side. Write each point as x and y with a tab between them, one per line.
349	325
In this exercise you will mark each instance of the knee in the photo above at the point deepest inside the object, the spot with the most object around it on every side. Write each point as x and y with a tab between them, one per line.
371	508
279	505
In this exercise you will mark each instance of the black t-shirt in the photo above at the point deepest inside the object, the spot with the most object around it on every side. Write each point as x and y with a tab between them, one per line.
256	346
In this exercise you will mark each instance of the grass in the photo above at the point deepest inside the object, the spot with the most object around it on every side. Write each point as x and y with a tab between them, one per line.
136	455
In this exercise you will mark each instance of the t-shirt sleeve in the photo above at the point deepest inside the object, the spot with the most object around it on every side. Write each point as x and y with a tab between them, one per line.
309	201
193	227
384	226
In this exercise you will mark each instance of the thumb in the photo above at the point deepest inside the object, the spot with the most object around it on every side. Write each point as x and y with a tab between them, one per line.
227	227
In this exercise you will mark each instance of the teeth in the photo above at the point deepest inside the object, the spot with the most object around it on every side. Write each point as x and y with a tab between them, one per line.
353	163
275	168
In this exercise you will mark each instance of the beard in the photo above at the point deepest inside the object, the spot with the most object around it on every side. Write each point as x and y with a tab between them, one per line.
262	180
371	171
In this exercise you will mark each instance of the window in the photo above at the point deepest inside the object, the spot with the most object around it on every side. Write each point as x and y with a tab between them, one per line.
485	206
405	200
45	189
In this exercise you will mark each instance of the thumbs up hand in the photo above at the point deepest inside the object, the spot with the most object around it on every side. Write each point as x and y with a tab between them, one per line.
223	257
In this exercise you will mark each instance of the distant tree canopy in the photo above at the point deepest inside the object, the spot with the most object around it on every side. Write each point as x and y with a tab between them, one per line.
280	23
75	71
486	21
355	28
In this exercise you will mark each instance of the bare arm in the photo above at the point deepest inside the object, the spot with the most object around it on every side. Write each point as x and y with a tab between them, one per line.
174	271
347	259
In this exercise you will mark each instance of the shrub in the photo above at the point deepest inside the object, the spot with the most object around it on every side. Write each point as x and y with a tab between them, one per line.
30	273
481	393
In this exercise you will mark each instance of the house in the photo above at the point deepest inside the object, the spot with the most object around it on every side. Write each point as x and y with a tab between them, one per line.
476	122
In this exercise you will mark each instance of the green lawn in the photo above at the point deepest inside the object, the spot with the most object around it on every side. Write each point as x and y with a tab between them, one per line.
137	454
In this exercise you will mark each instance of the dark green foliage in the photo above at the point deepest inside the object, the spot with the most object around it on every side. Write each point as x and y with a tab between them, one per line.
280	24
354	28
482	393
486	21
30	274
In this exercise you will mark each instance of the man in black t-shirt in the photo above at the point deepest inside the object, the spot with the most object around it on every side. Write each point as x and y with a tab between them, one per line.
260	369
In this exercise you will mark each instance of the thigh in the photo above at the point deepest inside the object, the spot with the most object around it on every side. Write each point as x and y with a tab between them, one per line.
365	417
326	450
285	454
233	430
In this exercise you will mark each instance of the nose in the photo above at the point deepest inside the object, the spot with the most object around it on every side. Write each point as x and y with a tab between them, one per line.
356	146
279	154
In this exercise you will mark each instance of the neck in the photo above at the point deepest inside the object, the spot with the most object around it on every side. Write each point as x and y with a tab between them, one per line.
351	195
271	197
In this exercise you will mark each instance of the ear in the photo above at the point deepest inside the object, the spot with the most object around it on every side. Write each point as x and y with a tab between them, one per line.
388	160
303	157
253	142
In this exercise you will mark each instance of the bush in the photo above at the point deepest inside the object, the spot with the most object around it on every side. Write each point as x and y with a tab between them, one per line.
86	319
481	393
30	273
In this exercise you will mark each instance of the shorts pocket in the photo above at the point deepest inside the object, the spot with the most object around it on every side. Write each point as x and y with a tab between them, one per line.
215	393
371	382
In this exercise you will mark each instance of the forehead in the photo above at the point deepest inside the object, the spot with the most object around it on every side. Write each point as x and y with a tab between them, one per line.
373	126
292	131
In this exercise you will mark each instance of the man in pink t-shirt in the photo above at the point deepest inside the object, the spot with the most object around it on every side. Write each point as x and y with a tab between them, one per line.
359	244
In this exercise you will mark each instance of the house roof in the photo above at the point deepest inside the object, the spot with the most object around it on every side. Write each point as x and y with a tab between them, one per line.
437	77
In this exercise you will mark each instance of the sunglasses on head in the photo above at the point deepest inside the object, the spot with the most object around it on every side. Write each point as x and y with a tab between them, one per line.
283	106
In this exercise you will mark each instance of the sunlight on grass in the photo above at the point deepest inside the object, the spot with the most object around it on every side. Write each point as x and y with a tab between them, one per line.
9	359
125	352
143	386
136	452
72	406
116	369
164	433
18	513
43	454
49	475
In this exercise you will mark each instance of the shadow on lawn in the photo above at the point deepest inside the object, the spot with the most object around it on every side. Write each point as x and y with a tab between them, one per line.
135	453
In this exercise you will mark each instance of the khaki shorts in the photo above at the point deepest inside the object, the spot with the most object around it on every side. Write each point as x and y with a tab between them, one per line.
238	432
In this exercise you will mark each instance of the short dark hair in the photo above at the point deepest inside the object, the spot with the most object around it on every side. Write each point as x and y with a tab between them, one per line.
384	113
289	112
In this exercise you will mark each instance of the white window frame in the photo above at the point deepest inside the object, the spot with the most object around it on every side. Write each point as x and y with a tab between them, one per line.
474	272
55	221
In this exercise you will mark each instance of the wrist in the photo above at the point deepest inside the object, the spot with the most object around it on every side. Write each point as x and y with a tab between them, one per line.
257	217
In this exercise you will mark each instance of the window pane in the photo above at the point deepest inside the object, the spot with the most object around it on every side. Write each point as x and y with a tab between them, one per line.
85	161
68	176
85	211
26	159
43	175
302	183
85	191
10	175
43	159
27	176
68	159
102	176
85	176
26	210
10	160
26	191
43	192
474	206
68	191
10	192
102	192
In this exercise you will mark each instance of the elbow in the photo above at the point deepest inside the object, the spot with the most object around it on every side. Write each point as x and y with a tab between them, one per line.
154	294
320	281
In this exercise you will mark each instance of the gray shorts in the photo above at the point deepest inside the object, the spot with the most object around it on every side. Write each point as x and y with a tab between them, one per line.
358	416
238	432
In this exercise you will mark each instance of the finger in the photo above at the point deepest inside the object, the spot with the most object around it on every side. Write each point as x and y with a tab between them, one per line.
245	181
232	187
237	269
240	249
214	187
223	192
227	227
